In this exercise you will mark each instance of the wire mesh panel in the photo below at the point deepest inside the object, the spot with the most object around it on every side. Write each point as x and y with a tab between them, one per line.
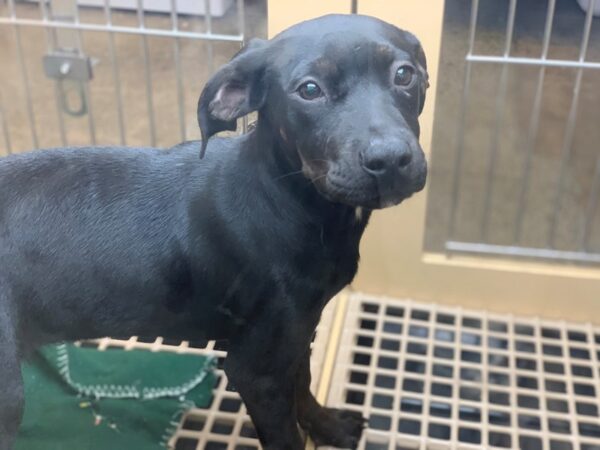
516	167
117	72
433	377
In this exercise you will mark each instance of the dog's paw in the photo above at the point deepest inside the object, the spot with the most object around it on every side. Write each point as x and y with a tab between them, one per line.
337	428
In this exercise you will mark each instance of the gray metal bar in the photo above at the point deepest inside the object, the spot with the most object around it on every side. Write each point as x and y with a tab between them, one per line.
563	63
59	113
510	26
498	123
587	31
570	128
147	74
22	22
241	19
90	112
244	118
533	125
592	208
548	28
115	72
86	86
480	248
178	71
24	75
473	25
461	125
209	45
5	131
50	38
208	16
242	30
45	17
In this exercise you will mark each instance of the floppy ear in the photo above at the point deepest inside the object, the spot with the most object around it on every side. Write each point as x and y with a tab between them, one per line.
237	89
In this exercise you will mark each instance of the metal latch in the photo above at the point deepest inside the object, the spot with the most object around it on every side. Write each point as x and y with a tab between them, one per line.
70	70
68	66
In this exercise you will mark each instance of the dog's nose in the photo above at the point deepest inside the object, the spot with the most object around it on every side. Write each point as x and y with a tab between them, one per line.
381	159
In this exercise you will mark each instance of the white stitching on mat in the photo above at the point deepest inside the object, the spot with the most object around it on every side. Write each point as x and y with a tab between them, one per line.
127	391
174	422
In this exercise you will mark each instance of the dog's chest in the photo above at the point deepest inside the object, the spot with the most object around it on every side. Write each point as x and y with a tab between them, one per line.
330	260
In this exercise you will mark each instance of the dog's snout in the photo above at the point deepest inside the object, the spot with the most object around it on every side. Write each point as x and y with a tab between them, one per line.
379	159
405	158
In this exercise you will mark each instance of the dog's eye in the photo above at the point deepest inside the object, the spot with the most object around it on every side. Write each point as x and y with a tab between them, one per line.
310	91
404	76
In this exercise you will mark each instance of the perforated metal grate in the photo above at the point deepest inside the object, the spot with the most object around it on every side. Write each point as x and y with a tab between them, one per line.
224	424
433	377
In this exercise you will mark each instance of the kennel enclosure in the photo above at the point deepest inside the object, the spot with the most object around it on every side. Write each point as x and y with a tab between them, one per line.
468	344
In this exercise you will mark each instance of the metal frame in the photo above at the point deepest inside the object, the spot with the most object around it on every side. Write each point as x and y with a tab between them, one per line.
20	22
483	246
53	24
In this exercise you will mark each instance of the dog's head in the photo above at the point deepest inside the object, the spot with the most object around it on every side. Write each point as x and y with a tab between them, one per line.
343	95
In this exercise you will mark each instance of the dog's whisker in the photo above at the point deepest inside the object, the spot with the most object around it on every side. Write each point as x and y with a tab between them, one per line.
295	172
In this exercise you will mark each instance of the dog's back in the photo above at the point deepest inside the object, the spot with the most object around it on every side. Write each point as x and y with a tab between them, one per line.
56	210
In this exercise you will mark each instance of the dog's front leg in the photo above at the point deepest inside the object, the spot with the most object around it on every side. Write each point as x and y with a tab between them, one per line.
11	387
262	365
325	426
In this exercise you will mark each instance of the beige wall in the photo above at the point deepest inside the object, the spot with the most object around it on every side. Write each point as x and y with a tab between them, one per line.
393	262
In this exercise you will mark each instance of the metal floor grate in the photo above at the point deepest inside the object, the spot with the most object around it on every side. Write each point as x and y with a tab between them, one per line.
224	424
434	377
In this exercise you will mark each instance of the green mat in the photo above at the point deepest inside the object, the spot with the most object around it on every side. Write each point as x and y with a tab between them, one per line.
85	399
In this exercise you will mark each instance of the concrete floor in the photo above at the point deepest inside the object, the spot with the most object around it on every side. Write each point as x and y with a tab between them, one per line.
195	68
515	117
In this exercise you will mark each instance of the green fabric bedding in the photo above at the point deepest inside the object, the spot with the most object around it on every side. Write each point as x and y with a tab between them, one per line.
85	399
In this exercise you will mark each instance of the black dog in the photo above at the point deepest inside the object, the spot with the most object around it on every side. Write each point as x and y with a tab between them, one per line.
247	244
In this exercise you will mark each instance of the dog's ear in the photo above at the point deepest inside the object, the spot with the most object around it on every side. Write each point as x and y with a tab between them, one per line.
238	88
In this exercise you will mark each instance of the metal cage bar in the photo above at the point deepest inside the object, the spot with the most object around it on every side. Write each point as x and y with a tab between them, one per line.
178	71
571	123
592	208
209	46
534	62
87	95
533	125
498	123
22	22
482	248
57	26
24	74
242	30
50	39
241	19
462	124
114	59
482	244
5	132
147	74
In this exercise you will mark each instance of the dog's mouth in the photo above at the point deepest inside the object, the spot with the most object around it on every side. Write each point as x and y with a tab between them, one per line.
368	194
343	184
